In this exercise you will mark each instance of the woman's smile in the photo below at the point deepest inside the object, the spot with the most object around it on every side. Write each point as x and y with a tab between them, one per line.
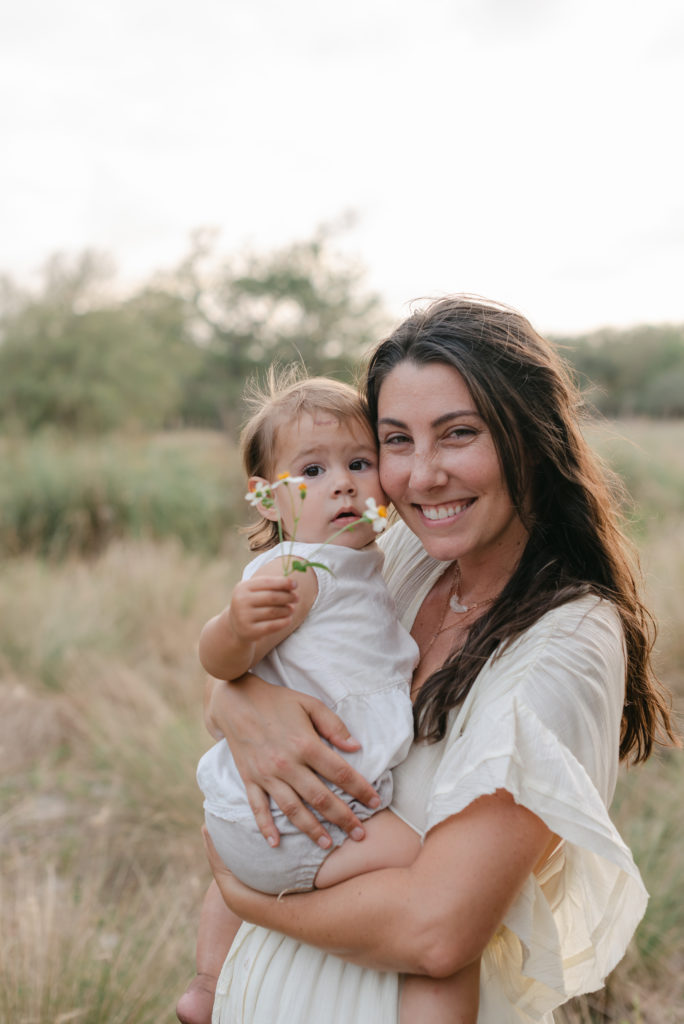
445	511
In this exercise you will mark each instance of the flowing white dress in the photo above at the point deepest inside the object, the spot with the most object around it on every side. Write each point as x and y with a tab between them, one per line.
543	722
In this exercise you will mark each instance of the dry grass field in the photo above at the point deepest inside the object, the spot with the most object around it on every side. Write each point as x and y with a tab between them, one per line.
101	862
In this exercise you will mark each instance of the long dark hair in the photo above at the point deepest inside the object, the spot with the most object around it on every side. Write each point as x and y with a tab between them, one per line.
566	498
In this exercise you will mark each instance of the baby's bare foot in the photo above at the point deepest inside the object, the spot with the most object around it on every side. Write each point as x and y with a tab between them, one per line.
196	1003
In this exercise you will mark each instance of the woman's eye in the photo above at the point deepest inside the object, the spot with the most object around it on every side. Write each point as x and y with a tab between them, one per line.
312	471
461	433
395	439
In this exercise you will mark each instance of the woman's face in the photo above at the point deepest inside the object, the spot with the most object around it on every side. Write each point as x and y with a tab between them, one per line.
439	466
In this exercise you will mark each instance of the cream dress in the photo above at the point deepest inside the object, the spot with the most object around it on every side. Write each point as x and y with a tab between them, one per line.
543	722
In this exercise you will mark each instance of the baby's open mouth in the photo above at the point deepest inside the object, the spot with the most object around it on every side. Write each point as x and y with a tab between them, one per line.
346	515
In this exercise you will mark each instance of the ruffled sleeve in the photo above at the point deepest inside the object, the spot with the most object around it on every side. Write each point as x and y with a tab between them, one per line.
543	723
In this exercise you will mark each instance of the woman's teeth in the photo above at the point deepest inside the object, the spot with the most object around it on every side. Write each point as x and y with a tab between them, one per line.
443	511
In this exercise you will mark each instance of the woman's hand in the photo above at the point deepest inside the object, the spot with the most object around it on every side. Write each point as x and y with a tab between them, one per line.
274	735
242	900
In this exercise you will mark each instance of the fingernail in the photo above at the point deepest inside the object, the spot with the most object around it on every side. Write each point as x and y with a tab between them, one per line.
374	802
272	841
357	833
325	842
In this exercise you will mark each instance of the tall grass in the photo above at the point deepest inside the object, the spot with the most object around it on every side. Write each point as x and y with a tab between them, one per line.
101	865
62	497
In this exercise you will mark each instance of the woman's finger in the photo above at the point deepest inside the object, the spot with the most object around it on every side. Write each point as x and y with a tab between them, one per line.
331	765
215	863
240	898
261	809
298	813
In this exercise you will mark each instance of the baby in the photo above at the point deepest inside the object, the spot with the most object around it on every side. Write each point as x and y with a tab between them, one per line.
321	621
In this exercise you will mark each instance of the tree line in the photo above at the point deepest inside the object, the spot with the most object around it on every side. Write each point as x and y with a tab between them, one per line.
177	350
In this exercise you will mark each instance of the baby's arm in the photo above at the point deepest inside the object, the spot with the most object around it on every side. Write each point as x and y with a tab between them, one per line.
263	611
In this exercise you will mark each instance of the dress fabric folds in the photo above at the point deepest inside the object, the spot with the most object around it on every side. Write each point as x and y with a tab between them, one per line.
543	722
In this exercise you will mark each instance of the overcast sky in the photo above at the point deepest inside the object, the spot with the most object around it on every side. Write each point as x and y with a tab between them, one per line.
527	150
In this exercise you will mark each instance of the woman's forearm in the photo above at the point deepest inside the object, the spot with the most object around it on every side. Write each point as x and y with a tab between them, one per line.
382	936
432	918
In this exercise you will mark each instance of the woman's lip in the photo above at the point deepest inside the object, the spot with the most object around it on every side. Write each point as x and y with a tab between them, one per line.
445	510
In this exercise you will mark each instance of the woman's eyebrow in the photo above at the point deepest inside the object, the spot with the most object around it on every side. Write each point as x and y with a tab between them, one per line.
454	416
444	418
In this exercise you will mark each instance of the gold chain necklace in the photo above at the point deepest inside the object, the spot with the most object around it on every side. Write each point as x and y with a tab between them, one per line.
454	604
447	604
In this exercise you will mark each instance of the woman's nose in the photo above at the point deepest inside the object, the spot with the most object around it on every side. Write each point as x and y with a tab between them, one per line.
426	472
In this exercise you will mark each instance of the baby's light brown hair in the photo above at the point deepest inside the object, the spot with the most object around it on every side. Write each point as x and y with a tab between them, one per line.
286	395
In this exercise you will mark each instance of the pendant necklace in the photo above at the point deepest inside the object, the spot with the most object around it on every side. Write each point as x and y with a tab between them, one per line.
447	605
454	600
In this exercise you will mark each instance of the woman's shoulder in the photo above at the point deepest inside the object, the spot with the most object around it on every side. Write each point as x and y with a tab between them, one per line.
588	621
574	644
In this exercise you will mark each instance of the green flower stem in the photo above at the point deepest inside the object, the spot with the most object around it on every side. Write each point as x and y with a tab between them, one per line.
295	565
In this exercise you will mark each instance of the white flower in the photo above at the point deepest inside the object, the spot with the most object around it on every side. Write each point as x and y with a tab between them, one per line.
375	514
285	478
262	495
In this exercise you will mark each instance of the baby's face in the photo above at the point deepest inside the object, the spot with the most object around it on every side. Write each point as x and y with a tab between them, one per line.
339	463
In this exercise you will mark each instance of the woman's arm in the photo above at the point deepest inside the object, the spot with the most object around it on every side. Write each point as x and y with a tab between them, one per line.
275	736
431	918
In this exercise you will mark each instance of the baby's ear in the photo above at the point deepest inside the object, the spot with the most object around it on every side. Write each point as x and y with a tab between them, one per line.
258	483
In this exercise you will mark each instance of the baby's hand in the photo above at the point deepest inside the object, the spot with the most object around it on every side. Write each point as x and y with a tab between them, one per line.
262	605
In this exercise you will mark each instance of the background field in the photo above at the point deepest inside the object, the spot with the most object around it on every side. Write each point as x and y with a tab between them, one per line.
110	568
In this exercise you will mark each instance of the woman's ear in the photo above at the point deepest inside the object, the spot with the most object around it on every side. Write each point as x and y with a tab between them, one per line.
270	512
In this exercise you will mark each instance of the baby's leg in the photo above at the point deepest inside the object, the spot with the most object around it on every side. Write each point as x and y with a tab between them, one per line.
389	843
453	1000
217	928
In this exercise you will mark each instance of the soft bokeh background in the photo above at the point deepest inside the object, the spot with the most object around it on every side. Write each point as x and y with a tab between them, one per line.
186	192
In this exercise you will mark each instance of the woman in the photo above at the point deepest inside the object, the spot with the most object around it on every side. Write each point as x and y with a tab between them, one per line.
534	680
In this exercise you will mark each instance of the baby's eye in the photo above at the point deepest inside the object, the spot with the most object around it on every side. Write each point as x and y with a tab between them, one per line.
313	470
357	465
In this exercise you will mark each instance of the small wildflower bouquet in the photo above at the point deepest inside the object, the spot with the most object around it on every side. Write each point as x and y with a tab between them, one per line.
375	514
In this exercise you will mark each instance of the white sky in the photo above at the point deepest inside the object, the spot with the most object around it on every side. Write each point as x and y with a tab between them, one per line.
527	150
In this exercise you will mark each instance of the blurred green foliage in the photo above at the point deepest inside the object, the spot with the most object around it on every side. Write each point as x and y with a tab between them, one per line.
60	497
179	350
638	371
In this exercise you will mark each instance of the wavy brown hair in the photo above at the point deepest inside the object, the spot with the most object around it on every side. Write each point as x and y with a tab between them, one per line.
567	499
